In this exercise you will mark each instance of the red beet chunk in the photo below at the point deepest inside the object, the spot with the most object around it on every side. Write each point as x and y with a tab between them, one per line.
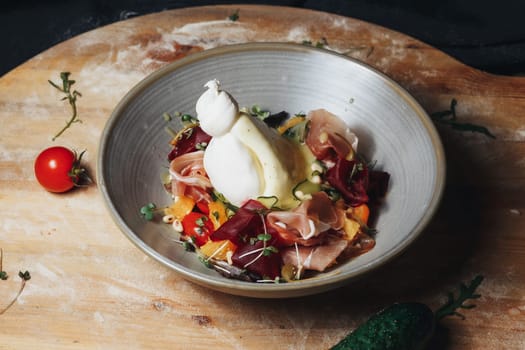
350	178
188	142
246	223
252	258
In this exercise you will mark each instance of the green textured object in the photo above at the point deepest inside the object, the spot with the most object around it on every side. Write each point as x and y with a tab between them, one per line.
403	326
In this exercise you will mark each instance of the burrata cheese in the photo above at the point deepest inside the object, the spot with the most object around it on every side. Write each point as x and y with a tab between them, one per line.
246	159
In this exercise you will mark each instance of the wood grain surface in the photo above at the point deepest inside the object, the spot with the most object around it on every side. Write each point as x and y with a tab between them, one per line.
92	289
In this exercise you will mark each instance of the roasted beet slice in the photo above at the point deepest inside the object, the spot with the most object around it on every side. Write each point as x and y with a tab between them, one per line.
262	258
350	178
188	142
245	223
377	185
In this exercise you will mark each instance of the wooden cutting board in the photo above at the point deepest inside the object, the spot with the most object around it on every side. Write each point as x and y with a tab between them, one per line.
91	288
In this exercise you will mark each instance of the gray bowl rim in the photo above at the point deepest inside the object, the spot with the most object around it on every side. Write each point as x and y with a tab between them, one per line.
274	290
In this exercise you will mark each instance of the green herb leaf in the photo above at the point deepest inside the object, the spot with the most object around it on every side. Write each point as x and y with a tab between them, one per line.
465	293
205	261
201	221
265	237
201	146
257	111
148	211
270	250
26	276
70	96
188	246
234	16
449	117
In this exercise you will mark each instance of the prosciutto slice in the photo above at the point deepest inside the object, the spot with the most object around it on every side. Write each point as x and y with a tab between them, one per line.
317	258
329	137
305	223
189	177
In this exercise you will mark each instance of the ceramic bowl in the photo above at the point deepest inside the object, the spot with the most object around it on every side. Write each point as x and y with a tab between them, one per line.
394	131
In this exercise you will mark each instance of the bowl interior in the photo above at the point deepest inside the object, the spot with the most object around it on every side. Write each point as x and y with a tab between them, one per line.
393	129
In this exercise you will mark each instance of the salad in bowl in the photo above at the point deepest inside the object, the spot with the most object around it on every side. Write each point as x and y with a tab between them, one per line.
335	174
269	198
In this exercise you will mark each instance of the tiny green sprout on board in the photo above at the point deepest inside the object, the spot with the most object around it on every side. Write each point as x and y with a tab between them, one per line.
24	277
234	16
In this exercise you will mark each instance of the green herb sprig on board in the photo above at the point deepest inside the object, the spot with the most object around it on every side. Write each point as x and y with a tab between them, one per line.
449	117
70	96
407	326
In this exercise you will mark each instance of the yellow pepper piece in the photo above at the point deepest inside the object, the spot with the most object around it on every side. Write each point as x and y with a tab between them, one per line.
217	214
218	249
180	207
351	228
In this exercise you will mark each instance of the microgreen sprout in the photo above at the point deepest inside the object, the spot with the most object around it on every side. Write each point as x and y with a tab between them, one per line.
357	167
70	96
217	251
256	111
200	221
167	117
234	16
205	261
148	211
188	119
201	146
265	250
24	277
188	246
3	274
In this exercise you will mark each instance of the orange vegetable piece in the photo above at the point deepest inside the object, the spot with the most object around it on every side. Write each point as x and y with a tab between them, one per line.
180	207
361	213
290	123
217	214
351	229
218	249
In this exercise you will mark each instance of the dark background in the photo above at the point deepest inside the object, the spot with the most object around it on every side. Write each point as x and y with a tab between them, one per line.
488	35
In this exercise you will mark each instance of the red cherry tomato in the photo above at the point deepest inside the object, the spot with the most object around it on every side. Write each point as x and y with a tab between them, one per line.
57	169
198	226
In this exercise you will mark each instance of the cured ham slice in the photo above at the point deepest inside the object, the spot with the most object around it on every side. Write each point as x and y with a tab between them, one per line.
189	176
305	223
317	258
329	137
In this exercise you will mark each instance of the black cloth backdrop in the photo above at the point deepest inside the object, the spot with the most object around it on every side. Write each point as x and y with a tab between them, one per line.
488	35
